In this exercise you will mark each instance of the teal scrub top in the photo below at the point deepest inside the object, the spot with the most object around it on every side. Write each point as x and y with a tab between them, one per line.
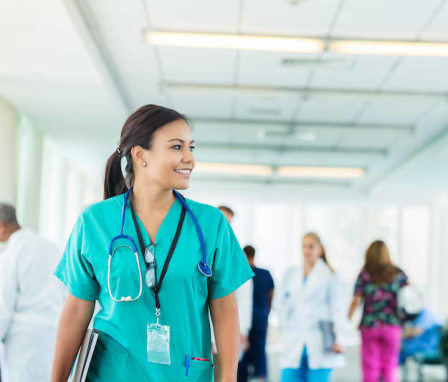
121	352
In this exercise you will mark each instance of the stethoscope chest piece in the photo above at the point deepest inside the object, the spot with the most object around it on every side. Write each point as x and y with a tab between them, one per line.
205	269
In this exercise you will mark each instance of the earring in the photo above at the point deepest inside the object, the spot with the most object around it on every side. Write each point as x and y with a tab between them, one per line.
144	164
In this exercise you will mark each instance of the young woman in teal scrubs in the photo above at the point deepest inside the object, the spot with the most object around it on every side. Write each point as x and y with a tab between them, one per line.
157	145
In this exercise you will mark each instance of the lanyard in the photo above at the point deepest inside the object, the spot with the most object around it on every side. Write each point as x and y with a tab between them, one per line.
158	285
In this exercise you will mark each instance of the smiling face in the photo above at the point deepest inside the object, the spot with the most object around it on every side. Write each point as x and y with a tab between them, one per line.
169	160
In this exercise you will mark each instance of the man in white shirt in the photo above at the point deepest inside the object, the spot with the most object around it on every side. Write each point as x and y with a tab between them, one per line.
244	296
31	299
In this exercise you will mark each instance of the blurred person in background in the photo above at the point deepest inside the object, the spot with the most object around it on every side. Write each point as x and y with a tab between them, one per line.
244	301
378	286
422	329
31	300
255	357
311	311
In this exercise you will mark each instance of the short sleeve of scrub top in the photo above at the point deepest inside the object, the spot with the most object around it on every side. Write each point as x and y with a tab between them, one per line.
75	270
230	266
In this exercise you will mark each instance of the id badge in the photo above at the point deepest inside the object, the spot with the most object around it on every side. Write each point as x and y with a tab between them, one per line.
158	344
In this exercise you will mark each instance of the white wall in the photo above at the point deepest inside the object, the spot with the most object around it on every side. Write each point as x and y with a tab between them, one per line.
8	141
29	173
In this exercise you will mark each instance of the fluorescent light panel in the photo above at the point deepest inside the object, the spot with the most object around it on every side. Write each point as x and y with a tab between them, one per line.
235	41
390	48
295	44
321	172
233	169
238	169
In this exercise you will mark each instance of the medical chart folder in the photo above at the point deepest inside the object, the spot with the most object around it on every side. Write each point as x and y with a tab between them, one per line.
85	356
328	334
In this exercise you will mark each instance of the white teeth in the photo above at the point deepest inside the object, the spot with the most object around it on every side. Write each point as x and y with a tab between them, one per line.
185	172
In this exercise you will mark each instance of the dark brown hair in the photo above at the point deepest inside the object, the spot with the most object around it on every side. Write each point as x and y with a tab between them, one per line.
138	130
378	263
249	251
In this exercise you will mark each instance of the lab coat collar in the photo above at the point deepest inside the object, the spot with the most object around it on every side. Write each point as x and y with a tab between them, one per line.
316	276
18	236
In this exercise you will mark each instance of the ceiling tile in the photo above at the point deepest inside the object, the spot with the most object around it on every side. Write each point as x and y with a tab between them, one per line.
438	30
269	68
395	110
306	18
330	109
383	19
266	107
351	72
198	65
200	15
420	74
202	103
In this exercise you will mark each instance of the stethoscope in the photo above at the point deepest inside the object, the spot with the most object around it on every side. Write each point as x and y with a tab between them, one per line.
203	267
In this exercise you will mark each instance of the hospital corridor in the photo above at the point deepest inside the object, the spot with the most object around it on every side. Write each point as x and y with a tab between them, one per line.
226	190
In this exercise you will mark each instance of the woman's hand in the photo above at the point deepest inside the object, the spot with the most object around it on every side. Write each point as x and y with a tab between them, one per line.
337	349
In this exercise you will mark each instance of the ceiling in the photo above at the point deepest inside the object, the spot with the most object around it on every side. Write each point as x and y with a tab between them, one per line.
79	67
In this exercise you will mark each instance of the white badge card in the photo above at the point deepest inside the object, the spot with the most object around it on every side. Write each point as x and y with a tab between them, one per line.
158	345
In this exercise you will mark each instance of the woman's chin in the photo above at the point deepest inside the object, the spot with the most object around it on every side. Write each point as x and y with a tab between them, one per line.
181	185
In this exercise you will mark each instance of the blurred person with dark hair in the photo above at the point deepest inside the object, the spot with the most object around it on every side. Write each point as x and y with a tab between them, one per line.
255	356
31	300
378	286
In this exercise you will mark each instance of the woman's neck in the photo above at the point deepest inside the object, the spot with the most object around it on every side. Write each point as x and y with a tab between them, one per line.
309	265
151	197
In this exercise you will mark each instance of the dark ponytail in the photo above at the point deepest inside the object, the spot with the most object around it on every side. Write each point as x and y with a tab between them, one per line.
138	130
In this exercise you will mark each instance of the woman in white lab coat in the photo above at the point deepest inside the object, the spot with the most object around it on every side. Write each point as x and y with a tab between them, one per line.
310	301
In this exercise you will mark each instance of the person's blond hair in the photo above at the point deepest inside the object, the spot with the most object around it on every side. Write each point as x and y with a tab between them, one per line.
323	255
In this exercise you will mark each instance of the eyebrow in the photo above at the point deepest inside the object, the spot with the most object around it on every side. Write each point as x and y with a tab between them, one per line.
180	140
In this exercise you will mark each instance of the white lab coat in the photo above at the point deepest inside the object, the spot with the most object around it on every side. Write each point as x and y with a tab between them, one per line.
31	300
301	306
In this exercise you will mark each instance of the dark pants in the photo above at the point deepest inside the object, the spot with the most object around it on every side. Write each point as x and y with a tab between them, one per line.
254	358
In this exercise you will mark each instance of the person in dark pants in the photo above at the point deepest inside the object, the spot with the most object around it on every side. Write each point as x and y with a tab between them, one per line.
254	358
